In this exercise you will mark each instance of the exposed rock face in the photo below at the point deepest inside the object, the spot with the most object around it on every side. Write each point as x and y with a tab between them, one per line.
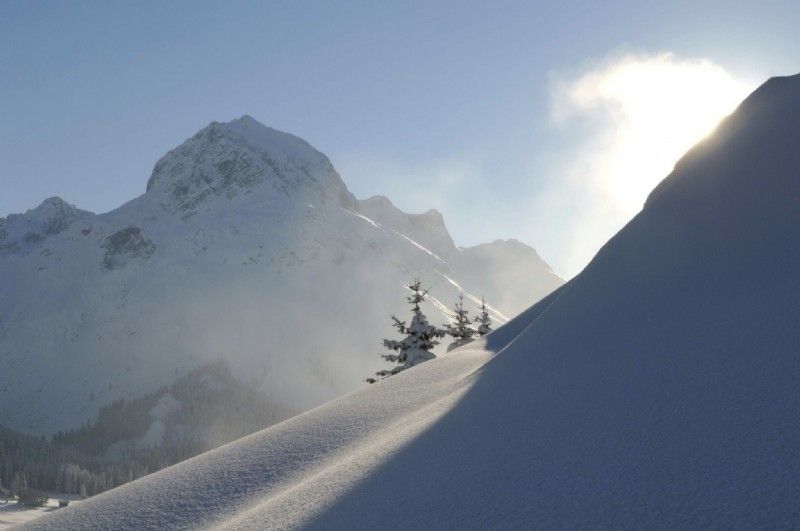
246	246
230	159
658	389
126	244
52	216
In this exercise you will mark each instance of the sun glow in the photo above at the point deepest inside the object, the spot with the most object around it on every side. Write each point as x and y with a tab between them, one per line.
657	108
644	113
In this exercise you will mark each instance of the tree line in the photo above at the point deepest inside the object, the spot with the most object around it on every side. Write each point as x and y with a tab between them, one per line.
420	337
211	408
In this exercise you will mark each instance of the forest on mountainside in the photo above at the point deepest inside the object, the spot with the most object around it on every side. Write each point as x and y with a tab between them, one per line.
128	439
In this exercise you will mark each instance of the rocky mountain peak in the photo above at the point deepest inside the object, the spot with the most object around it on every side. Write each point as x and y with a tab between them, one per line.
52	216
238	157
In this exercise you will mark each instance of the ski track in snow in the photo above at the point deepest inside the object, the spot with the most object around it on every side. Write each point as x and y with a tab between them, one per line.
420	247
656	390
362	216
500	317
448	314
253	243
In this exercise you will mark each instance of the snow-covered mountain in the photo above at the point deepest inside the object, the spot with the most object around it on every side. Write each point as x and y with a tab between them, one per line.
246	247
19	232
656	390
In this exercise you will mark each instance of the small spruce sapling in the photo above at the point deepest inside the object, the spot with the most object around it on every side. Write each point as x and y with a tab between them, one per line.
483	320
461	327
420	337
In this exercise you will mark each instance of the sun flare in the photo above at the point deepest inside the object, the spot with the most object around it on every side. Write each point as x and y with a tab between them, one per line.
654	109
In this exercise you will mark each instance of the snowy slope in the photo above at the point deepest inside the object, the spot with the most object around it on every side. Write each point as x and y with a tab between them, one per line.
658	389
246	247
21	232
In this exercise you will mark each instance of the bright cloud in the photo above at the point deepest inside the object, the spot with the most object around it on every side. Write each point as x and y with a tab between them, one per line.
644	112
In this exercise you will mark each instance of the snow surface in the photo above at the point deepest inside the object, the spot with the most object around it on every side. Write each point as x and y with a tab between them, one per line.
656	390
21	232
246	247
12	514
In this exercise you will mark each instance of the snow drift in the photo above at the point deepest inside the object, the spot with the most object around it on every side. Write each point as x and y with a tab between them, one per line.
658	389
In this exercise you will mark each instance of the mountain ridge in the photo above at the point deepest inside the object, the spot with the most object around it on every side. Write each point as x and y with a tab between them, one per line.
657	389
235	237
50	217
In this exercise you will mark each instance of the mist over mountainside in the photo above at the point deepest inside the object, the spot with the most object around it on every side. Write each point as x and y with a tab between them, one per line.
656	390
131	438
248	248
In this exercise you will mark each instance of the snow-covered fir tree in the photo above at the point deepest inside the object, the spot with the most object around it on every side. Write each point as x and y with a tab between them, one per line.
483	320
420	338
461	326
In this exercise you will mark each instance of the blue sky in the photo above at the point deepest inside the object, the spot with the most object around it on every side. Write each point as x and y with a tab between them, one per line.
453	105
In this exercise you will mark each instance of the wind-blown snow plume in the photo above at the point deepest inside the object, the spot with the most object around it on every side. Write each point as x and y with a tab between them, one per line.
655	390
244	236
645	111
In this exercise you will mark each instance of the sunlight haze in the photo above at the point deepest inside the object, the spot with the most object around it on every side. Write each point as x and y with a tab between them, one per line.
525	122
399	265
649	110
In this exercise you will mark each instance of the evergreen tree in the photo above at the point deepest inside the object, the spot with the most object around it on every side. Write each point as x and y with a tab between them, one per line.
483	320
461	327
19	483
420	338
